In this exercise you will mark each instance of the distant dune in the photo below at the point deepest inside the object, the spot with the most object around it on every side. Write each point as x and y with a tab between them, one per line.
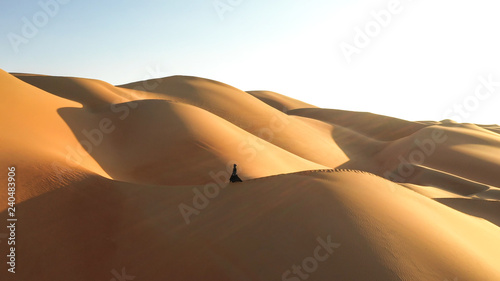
134	178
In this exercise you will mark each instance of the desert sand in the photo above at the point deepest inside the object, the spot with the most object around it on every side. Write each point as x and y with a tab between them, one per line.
130	182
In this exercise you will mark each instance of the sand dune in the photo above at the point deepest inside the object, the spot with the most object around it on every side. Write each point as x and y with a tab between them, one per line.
173	143
395	143
371	125
37	139
280	102
248	113
135	178
92	94
476	154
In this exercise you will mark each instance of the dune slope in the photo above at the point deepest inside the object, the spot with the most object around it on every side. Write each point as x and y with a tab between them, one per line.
244	233
132	180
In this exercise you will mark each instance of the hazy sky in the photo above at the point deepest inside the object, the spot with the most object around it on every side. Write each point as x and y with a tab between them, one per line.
416	60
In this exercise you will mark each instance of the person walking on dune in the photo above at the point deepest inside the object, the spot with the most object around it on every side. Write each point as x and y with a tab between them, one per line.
234	175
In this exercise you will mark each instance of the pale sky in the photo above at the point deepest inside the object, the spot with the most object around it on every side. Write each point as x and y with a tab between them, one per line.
415	60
